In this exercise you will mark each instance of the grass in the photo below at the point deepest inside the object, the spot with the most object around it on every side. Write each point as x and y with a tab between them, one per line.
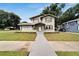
62	36
65	53
17	36
14	53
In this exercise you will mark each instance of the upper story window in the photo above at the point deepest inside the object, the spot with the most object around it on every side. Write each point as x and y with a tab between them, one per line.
73	22
45	19
35	20
48	19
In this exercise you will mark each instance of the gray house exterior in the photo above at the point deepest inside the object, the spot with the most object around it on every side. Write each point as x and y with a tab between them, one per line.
42	22
71	26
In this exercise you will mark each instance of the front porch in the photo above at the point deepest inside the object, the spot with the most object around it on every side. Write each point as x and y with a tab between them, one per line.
40	26
43	27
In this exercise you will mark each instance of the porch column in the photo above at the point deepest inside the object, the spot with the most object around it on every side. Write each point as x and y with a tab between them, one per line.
53	25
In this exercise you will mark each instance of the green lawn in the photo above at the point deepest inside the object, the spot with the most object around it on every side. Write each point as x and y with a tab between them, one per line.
14	53
61	53
24	53
62	36
17	36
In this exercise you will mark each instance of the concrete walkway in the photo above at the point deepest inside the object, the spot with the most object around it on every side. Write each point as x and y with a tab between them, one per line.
41	47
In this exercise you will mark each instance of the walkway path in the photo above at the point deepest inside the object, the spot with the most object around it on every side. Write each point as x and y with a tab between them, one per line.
41	47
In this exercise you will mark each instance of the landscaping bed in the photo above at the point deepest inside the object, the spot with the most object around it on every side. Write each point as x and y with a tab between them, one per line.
61	36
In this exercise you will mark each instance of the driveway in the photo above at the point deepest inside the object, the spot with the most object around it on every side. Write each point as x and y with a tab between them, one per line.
41	47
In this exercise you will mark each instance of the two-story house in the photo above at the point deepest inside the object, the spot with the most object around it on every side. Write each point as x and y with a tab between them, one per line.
42	22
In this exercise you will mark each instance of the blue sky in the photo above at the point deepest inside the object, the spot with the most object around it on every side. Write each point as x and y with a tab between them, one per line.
27	10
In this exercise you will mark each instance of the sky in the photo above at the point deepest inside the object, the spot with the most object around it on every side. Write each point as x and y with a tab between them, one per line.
27	10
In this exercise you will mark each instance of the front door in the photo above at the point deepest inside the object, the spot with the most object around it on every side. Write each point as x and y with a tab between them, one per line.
39	28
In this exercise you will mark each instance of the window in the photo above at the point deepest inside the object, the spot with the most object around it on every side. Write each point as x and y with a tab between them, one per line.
47	27
71	23
75	22
77	27
48	19
50	27
45	19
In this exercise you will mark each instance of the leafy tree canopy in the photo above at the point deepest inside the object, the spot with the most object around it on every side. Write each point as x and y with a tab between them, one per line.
70	14
55	9
8	19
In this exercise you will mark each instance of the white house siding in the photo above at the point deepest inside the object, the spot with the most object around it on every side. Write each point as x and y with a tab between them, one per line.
35	20
26	28
51	22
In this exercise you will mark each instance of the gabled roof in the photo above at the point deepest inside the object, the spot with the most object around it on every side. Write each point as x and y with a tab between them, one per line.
71	21
39	23
26	24
43	15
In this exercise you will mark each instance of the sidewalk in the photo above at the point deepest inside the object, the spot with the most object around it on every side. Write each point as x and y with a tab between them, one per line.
15	45
41	47
65	45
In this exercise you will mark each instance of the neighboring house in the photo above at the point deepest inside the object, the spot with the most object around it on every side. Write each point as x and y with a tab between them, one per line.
71	26
42	22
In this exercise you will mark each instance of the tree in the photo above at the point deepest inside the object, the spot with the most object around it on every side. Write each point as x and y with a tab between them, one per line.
76	9
14	20
8	19
70	14
54	9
